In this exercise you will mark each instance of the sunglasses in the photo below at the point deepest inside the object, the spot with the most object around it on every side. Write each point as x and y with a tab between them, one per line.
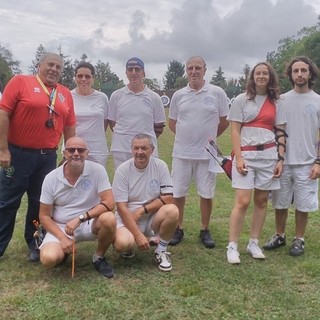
79	150
136	69
86	76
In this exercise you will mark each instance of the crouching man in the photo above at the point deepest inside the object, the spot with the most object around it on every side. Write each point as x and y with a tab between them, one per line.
76	203
142	188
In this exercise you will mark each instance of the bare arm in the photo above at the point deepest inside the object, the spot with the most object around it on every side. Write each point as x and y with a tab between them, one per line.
51	226
130	223
5	156
69	132
172	125
45	216
281	140
235	138
158	128
223	125
106	122
111	124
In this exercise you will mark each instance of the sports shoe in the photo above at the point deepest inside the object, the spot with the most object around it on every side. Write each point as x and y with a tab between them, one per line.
177	237
297	247
129	254
254	250
103	267
233	254
163	260
206	239
275	242
34	254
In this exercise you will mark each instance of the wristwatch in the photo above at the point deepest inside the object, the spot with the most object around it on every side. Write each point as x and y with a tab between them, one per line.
82	218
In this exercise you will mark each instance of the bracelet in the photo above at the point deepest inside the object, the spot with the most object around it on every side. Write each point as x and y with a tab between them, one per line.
105	206
145	209
161	200
280	158
317	161
88	216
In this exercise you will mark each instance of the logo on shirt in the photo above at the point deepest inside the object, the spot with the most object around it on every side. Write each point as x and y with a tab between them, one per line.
154	185
61	97
146	102
311	109
86	185
208	100
36	90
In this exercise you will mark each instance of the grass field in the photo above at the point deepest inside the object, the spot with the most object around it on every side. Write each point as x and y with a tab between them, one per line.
202	285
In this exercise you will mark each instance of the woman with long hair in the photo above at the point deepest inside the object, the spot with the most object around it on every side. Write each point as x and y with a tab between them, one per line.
258	155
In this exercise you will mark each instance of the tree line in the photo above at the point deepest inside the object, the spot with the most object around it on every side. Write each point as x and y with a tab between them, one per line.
305	42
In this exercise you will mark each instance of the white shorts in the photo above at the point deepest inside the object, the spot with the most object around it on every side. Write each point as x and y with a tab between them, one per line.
120	157
295	182
183	170
82	233
259	176
143	224
99	158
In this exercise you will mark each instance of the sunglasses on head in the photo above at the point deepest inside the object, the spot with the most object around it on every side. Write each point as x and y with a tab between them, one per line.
73	150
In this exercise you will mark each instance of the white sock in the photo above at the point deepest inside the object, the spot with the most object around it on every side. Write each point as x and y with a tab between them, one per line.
162	246
95	258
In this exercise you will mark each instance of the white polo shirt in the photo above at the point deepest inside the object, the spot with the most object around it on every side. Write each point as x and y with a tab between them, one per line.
70	201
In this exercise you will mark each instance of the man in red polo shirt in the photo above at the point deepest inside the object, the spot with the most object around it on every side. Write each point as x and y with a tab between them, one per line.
35	111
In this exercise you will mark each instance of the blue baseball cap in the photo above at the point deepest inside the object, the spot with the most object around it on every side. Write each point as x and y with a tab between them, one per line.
134	62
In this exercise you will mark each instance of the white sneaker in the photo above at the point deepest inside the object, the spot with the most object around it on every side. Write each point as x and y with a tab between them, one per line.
233	254
254	249
163	260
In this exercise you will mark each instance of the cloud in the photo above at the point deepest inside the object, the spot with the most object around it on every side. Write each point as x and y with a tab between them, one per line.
226	33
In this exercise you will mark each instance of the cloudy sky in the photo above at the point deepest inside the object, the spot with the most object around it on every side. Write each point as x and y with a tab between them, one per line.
226	33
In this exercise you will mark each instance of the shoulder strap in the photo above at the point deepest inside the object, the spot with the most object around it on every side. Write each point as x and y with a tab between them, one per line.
265	118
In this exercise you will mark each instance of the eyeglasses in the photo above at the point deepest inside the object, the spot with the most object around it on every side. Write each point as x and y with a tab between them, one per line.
197	68
136	69
79	150
86	76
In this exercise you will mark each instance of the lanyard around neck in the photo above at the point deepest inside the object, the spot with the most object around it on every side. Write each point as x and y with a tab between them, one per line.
52	95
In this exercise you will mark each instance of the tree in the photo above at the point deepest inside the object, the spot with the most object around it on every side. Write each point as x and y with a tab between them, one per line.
219	79
5	73
233	88
8	66
180	82
33	68
106	80
83	58
153	84
242	81
67	76
175	70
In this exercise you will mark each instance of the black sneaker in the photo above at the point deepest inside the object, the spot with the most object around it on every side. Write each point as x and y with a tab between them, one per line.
177	237
34	254
102	266
297	247
129	254
206	239
275	242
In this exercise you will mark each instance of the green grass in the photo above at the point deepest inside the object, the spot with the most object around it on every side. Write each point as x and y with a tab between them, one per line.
202	285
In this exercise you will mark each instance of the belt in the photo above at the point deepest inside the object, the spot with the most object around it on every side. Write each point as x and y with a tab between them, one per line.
258	147
31	150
